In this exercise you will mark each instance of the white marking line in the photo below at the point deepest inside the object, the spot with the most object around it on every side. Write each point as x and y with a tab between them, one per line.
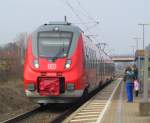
92	107
90	119
88	113
95	100
83	116
91	111
107	104
100	102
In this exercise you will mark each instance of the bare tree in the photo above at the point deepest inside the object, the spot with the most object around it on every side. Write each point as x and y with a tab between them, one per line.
12	58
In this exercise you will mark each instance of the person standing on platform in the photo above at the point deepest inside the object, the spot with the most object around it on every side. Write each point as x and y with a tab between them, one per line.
135	71
136	87
129	77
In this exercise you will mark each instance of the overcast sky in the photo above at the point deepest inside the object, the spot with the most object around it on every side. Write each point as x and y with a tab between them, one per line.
118	19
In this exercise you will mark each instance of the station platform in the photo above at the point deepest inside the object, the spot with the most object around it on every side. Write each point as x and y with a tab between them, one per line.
121	111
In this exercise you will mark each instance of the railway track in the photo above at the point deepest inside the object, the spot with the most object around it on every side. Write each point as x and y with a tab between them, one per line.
23	115
40	114
57	114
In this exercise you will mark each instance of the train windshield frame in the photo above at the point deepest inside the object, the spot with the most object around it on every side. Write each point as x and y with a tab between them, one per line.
54	44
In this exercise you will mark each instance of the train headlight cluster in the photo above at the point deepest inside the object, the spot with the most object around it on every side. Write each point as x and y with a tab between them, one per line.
68	64
36	64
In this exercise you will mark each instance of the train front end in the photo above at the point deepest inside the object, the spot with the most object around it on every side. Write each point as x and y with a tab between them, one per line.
53	70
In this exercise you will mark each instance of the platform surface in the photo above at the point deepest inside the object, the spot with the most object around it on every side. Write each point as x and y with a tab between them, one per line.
121	111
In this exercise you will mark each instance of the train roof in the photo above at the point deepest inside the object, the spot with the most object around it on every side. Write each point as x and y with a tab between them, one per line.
58	23
59	26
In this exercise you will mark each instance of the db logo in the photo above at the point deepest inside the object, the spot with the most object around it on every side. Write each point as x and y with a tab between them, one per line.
52	66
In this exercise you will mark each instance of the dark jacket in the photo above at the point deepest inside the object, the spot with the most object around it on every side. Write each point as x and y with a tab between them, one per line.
129	75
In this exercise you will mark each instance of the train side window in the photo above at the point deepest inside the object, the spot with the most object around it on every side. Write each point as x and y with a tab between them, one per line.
92	60
86	56
92	57
89	58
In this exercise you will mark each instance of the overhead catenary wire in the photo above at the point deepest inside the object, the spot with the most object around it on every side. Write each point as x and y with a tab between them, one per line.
85	11
91	26
87	28
78	16
95	22
87	22
93	37
74	11
91	22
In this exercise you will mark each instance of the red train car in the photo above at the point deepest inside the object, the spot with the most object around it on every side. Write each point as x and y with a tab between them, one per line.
62	64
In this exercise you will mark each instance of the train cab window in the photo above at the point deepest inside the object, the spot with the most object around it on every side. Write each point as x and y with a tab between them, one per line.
54	44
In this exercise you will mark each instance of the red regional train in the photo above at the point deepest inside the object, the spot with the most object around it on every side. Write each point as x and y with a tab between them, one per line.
62	64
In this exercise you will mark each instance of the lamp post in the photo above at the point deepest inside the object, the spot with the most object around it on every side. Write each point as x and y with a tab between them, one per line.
145	63
146	57
137	40
145	104
143	25
133	49
138	59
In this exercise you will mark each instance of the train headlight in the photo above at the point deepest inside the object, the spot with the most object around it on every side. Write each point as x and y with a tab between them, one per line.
36	64
68	64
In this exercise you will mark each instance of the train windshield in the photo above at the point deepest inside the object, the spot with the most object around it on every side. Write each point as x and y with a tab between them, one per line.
54	44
